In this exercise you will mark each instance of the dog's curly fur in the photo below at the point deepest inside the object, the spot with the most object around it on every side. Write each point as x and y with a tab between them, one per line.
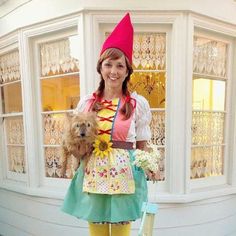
79	136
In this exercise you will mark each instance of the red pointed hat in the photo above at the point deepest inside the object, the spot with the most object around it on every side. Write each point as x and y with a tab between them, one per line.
121	37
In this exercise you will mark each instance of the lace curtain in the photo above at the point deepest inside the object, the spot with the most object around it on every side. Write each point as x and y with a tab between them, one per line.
9	67
149	80
209	61
56	58
209	57
149	51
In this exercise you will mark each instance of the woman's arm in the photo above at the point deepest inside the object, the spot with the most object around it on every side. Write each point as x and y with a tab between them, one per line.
142	145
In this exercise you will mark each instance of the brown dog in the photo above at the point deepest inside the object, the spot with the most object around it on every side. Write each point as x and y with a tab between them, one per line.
79	136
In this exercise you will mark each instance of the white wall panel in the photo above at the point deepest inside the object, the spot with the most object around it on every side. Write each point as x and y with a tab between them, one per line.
22	215
24	14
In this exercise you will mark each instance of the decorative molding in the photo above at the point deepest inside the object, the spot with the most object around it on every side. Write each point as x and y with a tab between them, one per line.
51	26
212	24
8	42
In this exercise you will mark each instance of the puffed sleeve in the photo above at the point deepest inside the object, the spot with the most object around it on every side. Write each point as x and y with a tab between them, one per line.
143	118
82	103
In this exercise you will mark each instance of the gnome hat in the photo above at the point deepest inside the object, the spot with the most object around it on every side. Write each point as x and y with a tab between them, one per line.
121	38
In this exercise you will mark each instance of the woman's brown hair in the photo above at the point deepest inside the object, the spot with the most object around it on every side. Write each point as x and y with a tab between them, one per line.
114	54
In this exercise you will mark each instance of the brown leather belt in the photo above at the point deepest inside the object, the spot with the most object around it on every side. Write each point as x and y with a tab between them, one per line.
123	145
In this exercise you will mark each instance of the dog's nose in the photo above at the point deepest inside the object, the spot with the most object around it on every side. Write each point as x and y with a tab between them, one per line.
82	134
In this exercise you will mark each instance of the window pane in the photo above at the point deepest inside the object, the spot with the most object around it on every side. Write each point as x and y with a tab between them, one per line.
158	138
149	51
209	57
11	102
208	103
14	130
161	164
53	128
208	128
9	67
151	85
60	57
11	98
158	128
60	93
208	94
53	162
149	80
16	160
207	161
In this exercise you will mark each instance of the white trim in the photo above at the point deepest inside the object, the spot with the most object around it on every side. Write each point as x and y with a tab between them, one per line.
217	180
9	43
188	97
51	26
59	191
58	75
210	111
5	115
212	77
176	107
17	177
201	194
9	83
208	182
148	71
228	116
232	135
213	25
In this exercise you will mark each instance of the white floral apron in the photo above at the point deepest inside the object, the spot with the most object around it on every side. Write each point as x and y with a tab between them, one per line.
112	173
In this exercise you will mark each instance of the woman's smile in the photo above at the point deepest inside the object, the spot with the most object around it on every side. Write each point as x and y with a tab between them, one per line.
114	72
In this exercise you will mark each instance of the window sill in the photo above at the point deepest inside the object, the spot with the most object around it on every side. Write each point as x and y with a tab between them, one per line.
161	197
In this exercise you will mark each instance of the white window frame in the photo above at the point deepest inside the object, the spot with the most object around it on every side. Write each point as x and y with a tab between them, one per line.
215	185
31	37
154	23
9	44
223	179
91	25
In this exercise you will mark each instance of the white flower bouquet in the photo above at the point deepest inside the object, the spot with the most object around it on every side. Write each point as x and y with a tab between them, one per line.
148	161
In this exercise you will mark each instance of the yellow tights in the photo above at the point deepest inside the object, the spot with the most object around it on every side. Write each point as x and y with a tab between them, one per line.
104	229
120	230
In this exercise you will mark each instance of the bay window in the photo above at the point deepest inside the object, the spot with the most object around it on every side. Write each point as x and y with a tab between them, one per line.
185	76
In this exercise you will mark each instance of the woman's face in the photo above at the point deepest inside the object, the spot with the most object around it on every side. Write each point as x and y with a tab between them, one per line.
114	72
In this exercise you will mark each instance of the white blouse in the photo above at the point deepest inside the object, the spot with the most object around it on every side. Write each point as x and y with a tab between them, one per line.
139	128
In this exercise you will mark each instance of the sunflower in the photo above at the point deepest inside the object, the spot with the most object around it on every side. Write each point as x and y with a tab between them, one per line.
102	147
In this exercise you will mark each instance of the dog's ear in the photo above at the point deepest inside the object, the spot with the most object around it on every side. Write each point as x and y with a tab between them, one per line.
93	116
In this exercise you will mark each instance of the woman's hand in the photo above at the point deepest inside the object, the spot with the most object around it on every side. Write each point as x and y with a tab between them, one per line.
142	145
153	176
82	150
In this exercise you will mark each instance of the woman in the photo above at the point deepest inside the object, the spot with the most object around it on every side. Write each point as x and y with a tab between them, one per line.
109	191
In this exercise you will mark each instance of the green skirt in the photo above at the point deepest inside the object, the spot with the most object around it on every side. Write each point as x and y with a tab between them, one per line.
104	207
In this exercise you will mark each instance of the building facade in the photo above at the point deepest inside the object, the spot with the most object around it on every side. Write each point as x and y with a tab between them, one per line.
184	64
